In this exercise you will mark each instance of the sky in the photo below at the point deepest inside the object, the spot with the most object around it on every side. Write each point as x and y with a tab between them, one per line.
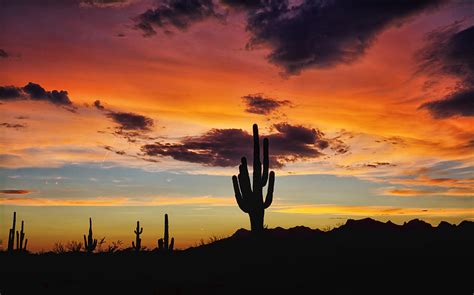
124	110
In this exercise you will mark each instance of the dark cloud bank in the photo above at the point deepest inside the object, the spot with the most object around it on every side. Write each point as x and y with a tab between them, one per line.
225	147
310	34
33	91
131	121
322	34
450	51
3	54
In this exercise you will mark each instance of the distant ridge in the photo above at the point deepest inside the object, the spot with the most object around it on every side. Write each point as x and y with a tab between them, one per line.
365	232
367	225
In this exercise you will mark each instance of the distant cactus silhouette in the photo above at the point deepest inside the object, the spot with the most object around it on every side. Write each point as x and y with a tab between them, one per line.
251	201
20	237
164	244
11	235
90	243
137	245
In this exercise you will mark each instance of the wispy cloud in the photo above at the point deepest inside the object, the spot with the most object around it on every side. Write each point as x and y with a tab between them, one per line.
408	192
12	125
121	201
372	210
175	14
438	182
14	192
105	3
262	105
3	53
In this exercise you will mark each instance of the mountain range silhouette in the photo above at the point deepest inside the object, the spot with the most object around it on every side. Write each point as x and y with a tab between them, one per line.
360	257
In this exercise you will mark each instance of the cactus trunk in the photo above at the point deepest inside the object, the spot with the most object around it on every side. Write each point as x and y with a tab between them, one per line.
256	219
11	235
20	237
250	197
166	237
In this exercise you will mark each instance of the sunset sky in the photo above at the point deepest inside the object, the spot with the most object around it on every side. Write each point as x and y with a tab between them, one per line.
124	110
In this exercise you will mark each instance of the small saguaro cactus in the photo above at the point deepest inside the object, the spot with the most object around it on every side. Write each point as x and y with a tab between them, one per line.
164	244
251	200
90	243
137	245
20	237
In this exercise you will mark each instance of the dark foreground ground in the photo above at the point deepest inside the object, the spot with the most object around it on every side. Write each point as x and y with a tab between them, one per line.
360	257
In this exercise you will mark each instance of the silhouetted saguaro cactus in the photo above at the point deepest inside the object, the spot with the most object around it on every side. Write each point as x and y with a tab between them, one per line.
20	237
90	243
137	245
251	201
11	235
164	244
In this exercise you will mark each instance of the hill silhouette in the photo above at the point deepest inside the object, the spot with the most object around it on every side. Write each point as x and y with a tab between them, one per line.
360	257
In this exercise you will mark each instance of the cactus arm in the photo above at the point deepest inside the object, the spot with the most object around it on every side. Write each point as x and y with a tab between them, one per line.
14	221
257	165
244	179
26	242
85	242
17	240
11	240
171	244
238	196
269	197
22	235
266	162
138	230
11	236
160	244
